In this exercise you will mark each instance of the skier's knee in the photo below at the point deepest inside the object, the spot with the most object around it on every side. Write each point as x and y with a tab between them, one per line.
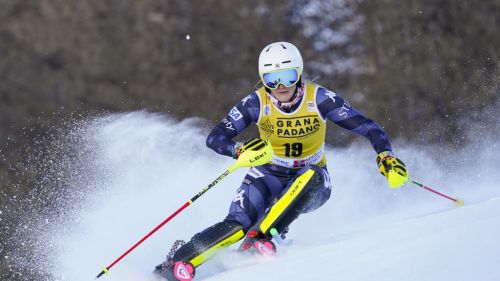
311	182
309	190
316	192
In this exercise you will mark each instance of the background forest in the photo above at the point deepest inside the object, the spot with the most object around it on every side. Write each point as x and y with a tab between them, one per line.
423	69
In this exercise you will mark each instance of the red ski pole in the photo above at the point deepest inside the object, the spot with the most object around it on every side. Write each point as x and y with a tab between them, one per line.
256	153
458	201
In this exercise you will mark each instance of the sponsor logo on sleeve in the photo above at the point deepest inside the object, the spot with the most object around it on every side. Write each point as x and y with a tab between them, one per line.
331	95
345	109
235	114
229	125
243	101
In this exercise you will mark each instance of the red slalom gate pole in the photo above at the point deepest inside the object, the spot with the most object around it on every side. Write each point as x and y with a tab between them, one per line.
458	201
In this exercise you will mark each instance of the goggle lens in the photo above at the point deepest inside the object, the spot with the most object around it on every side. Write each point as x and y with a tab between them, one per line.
287	77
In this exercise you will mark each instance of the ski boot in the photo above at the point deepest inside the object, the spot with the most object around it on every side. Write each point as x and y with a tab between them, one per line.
175	270
258	243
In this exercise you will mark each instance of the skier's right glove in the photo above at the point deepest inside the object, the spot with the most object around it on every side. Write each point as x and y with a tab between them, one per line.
392	168
235	151
239	148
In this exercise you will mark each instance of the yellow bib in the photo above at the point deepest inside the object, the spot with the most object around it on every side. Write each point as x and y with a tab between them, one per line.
297	137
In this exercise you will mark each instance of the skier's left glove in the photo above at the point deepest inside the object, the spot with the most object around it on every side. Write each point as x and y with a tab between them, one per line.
392	168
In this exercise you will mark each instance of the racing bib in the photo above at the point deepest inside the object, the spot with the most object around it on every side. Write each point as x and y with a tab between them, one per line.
297	137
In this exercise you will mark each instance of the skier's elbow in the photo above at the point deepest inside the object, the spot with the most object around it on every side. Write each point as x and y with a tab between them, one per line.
210	141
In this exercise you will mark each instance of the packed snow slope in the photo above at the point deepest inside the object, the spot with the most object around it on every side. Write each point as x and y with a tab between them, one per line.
145	166
457	244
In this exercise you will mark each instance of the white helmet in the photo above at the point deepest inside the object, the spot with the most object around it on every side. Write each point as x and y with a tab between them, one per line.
280	55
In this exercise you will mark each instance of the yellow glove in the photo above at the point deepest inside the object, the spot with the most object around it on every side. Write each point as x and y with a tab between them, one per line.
251	144
392	168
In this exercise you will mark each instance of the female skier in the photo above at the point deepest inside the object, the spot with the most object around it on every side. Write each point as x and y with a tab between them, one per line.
292	115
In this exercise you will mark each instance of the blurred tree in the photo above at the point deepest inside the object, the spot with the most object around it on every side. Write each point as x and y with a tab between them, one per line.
331	50
430	63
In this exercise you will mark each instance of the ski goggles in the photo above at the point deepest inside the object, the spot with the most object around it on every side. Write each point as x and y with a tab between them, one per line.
287	78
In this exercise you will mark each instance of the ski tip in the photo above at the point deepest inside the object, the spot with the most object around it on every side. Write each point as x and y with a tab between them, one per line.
459	202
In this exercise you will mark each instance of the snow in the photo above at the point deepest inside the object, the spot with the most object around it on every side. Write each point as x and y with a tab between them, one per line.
146	166
458	244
